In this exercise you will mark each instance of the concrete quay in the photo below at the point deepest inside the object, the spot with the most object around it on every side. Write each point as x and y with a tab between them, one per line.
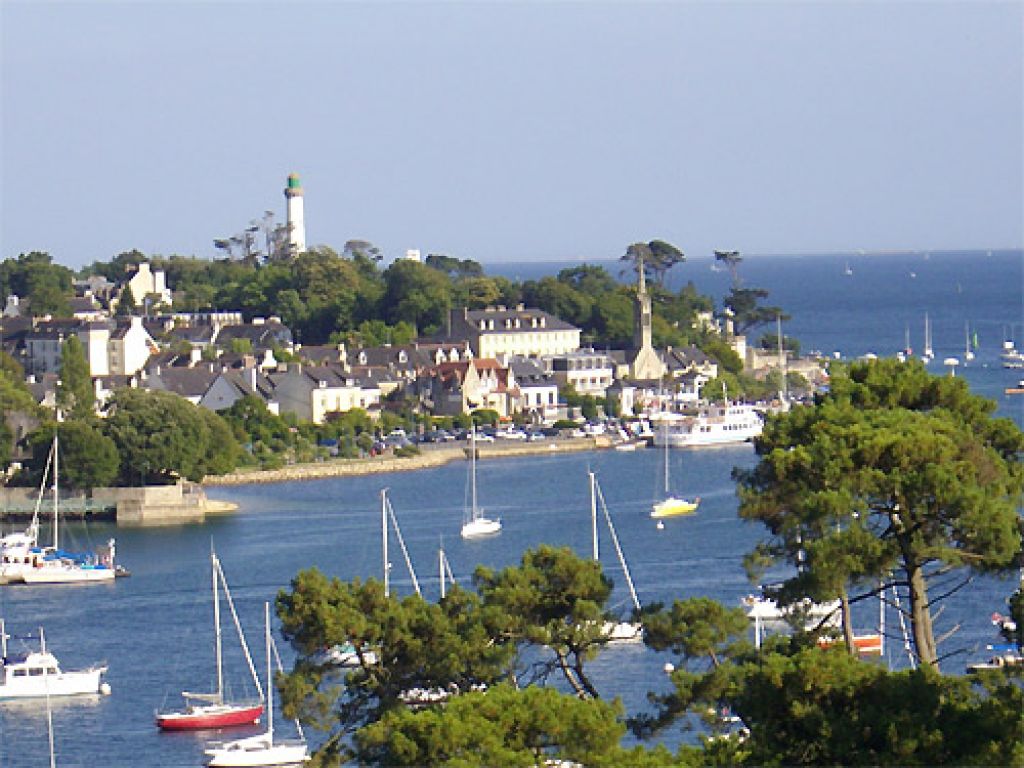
432	456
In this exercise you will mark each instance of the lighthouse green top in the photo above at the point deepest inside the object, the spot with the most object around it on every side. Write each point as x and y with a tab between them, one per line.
293	181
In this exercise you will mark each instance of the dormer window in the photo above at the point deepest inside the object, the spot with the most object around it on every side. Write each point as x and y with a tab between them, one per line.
362	358
402	356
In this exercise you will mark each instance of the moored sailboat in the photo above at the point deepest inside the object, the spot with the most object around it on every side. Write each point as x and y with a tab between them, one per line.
214	710
614	631
261	749
671	506
53	565
476	524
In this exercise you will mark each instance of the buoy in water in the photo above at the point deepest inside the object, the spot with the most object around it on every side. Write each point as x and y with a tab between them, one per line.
661	526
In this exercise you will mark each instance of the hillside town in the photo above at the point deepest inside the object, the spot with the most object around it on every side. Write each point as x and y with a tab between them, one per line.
511	360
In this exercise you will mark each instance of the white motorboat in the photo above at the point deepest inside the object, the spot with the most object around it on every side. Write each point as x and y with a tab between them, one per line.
476	524
37	674
261	749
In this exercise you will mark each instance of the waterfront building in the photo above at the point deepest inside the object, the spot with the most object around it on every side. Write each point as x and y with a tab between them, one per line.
497	331
586	371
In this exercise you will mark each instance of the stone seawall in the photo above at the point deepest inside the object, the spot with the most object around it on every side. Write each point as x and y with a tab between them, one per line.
432	457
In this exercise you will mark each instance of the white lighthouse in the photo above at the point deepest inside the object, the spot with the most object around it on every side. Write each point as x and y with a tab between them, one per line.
296	219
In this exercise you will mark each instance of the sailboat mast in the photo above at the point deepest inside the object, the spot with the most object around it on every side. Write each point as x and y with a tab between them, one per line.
472	477
782	353
218	651
440	570
56	541
384	537
270	678
593	514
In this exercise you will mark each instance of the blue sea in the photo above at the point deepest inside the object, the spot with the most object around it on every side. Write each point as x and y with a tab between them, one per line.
154	629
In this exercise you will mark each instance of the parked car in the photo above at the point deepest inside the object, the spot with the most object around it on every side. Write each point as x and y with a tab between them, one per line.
483	437
511	434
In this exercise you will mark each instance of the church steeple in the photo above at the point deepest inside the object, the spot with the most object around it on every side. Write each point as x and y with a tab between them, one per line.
641	312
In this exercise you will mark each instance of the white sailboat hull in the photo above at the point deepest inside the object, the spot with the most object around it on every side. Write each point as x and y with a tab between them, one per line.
479	527
67	574
256	751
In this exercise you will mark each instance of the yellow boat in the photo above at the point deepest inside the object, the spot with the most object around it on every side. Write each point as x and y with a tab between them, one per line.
673	507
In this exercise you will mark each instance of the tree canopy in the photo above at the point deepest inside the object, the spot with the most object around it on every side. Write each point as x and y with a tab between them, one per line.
893	475
161	437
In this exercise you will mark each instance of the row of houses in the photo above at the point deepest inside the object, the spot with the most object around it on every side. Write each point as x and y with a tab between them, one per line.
512	361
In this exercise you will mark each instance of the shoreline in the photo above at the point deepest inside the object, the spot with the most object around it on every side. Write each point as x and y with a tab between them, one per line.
434	457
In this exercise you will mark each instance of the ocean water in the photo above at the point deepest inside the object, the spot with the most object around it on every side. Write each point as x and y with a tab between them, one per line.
154	628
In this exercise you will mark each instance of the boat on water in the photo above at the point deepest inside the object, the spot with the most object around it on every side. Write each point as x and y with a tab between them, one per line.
927	354
968	346
1011	357
671	505
53	565
214	710
1015	390
37	674
712	425
475	523
261	749
613	631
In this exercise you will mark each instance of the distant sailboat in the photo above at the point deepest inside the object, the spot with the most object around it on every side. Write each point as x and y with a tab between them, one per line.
928	354
847	270
476	524
968	350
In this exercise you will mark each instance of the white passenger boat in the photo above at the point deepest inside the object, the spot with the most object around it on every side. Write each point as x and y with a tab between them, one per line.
713	425
37	674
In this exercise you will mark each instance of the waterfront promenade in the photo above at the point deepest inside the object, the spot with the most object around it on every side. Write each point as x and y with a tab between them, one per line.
429	456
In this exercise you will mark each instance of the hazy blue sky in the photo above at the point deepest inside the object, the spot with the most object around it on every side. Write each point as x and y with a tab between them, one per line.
512	131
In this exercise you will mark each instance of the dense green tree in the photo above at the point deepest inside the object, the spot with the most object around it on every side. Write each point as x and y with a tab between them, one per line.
560	299
503	726
15	397
161	437
88	458
376	333
34	276
476	292
403	643
893	471
76	395
416	294
555	602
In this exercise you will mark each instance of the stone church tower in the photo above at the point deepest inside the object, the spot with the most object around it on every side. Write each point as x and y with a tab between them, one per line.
645	363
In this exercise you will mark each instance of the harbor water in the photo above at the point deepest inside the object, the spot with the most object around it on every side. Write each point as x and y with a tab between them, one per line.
154	629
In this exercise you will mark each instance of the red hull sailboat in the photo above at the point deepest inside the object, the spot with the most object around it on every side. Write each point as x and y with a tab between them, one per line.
211	710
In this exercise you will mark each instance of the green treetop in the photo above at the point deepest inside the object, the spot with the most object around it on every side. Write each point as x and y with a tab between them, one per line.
894	475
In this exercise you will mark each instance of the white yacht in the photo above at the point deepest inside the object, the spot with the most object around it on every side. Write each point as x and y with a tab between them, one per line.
713	425
37	674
